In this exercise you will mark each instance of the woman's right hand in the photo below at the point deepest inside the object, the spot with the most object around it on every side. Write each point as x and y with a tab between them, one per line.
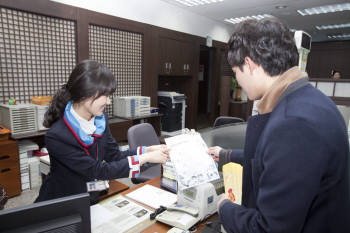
157	156
214	152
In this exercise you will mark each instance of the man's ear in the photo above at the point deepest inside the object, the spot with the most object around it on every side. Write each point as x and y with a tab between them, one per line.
252	65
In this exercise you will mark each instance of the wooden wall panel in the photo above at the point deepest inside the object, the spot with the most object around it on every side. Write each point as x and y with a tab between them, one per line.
150	48
325	56
225	98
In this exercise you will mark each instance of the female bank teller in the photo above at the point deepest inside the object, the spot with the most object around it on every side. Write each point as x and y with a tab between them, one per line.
79	141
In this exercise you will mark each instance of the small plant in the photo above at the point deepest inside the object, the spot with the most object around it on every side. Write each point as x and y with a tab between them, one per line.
236	90
234	84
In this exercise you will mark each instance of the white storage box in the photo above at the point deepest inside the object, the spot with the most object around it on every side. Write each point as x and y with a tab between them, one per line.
131	106
40	112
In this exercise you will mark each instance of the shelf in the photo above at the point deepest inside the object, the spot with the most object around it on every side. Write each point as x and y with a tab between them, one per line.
29	135
139	117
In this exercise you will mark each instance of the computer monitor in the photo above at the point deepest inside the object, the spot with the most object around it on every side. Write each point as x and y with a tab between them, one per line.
66	214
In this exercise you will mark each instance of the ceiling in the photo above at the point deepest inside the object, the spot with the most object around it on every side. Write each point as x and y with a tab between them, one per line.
239	8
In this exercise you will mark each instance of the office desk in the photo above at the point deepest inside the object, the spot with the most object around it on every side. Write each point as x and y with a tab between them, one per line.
158	226
115	187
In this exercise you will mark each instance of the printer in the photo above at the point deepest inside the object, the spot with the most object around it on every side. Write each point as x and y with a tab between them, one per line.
172	106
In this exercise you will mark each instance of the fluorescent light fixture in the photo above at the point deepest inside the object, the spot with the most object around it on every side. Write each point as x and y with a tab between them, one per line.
340	36
240	19
334	26
197	2
279	7
325	9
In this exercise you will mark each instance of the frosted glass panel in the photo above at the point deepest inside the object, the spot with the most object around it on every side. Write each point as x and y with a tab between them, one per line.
326	88
122	53
342	90
37	54
345	112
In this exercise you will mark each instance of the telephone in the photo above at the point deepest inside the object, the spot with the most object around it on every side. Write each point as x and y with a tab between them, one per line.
179	216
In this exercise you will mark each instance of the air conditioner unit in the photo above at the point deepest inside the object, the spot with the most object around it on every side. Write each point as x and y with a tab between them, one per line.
19	118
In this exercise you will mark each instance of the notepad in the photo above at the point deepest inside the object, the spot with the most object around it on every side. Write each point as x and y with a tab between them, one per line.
153	196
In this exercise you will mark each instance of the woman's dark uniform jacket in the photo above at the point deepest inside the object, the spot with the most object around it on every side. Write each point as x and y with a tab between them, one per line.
295	166
72	164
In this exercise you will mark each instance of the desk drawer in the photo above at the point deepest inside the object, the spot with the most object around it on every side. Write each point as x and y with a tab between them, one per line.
9	147
8	155
10	179
8	161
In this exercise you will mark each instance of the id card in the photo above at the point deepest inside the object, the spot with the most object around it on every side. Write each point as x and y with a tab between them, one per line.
98	185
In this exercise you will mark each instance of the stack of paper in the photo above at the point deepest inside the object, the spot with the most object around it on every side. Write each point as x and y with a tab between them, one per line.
25	147
153	196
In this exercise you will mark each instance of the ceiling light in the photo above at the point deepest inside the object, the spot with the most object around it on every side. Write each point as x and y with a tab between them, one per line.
280	7
339	36
240	19
325	9
334	26
197	2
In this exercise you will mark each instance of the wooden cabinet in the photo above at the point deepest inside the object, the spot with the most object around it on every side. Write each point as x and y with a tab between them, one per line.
176	56
239	109
119	126
9	168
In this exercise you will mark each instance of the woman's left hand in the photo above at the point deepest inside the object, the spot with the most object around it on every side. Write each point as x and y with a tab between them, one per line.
157	147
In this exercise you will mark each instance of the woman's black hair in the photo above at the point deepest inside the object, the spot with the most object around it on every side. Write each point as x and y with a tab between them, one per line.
268	42
88	79
334	71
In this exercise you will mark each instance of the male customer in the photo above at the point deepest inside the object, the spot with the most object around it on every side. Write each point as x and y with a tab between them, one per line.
295	160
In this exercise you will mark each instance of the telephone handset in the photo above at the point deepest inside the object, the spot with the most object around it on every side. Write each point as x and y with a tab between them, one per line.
186	209
179	216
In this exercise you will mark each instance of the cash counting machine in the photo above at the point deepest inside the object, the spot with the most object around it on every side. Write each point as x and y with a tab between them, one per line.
193	205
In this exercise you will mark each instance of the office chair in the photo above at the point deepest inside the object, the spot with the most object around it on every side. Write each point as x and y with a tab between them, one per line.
230	136
144	135
224	120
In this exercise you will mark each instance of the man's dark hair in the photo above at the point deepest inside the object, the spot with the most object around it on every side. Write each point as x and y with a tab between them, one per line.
268	42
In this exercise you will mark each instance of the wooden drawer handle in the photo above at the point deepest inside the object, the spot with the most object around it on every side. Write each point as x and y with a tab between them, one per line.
6	170
4	157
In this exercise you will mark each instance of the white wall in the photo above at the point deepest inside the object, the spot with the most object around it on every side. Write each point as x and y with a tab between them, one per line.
158	13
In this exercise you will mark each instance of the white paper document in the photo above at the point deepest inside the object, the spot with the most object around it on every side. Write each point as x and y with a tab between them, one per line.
153	196
119	214
189	155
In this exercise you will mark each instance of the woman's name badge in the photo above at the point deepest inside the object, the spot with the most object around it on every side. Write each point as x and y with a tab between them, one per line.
98	185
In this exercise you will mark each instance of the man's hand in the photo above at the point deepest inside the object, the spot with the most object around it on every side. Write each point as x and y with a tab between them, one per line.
214	152
222	198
